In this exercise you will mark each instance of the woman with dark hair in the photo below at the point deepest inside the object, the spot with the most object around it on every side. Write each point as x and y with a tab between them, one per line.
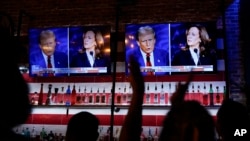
92	54
197	51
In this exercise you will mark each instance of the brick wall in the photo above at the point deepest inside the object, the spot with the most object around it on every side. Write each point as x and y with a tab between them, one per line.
235	62
78	12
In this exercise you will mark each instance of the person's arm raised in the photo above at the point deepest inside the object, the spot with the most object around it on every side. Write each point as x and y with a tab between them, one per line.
131	128
179	95
176	99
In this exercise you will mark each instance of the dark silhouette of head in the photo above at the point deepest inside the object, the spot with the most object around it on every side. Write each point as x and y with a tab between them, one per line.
188	121
232	115
82	126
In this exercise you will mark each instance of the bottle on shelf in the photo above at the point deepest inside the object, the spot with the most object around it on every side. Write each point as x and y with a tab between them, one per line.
73	95
211	95
67	96
33	134
90	97
68	91
117	134
118	96
199	94
147	96
62	98
170	93
162	95
84	96
51	136
27	133
109	96
43	134
205	96
78	96
97	97
107	136
103	96
23	131
156	96
156	136
49	95
101	134
193	88
217	97
192	95
124	96
150	136
40	97
55	96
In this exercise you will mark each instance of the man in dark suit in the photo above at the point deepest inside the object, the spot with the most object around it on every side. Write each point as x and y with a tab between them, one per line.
148	55
47	58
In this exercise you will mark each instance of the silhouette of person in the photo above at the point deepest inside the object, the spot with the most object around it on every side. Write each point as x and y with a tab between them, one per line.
231	116
132	126
82	126
187	120
19	107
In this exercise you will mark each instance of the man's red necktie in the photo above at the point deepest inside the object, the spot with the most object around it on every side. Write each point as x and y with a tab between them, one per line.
49	65
149	64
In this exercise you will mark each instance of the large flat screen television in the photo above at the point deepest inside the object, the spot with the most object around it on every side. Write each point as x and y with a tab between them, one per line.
172	48
69	51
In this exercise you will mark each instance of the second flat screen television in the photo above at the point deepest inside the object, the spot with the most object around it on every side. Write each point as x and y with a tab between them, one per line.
172	48
69	51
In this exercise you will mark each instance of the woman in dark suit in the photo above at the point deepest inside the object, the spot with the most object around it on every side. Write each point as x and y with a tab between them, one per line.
196	52
91	55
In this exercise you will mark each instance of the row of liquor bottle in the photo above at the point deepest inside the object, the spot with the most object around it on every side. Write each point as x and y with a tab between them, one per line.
43	135
57	133
124	87
213	95
150	133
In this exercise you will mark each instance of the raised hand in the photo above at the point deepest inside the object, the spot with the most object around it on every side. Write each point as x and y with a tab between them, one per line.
179	94
131	128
